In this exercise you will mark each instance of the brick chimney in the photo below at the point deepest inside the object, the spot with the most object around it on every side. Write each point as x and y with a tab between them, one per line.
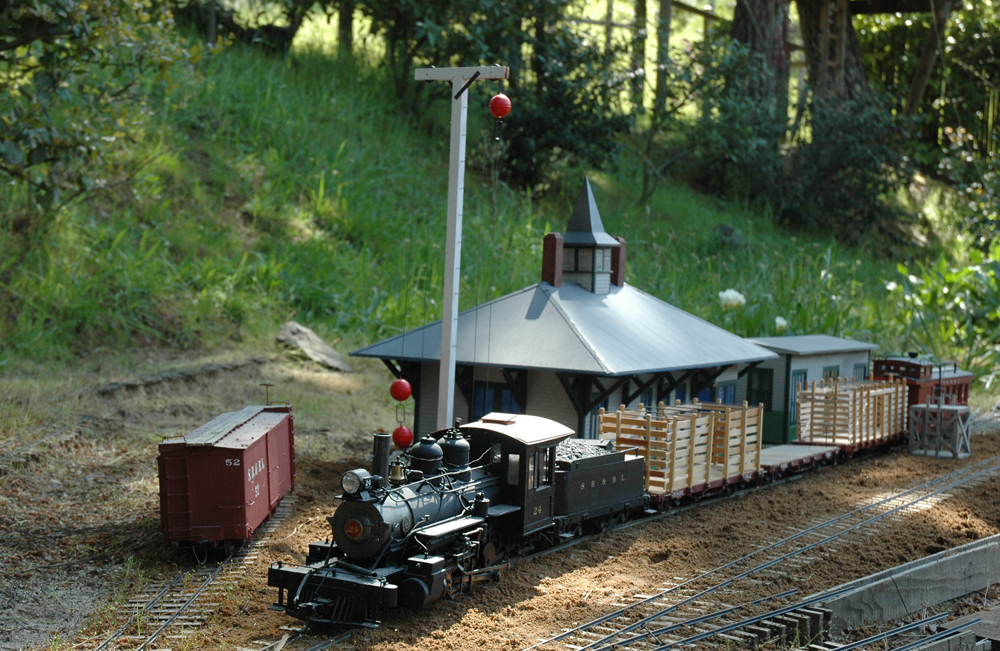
618	264
552	259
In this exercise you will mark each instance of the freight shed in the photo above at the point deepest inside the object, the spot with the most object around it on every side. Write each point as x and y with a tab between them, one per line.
224	479
802	359
579	340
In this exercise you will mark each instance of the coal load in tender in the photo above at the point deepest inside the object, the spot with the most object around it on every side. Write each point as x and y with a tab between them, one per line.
573	449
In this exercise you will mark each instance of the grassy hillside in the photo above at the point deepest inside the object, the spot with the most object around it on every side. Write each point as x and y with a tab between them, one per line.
273	189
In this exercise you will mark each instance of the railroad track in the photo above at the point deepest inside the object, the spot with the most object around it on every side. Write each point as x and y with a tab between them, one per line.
169	611
688	611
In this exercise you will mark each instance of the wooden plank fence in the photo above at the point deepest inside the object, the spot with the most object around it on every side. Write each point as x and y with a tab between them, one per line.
689	448
849	413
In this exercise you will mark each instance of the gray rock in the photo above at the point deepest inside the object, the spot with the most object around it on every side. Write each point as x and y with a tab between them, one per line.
300	337
728	237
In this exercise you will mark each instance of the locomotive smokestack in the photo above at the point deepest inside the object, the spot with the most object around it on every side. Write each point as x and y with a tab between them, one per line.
380	456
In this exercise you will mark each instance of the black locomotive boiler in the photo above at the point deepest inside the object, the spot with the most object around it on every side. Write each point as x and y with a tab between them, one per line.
456	507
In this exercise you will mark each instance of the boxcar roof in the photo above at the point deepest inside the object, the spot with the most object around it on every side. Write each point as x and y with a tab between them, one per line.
812	344
238	428
529	430
568	328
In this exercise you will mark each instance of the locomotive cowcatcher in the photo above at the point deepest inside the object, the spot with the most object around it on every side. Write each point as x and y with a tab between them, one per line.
457	506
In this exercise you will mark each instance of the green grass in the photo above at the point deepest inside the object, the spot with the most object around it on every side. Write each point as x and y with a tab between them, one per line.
295	188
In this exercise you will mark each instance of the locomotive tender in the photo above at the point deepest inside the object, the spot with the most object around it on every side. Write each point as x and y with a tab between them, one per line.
466	501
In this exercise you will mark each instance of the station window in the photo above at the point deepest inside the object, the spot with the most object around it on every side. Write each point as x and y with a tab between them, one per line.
725	392
860	372
760	387
493	397
798	381
680	393
831	372
531	471
593	427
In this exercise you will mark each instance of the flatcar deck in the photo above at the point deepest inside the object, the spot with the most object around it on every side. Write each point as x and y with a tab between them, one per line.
794	456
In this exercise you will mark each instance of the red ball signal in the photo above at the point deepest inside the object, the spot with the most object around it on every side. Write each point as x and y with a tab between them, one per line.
402	436
500	106
400	390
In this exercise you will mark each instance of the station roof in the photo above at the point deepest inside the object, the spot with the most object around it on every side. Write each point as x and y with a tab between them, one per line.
812	344
568	328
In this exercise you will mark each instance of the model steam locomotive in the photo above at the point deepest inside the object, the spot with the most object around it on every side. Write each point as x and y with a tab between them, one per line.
455	508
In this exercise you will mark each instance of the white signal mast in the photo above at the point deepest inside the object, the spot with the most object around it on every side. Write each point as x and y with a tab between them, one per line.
461	79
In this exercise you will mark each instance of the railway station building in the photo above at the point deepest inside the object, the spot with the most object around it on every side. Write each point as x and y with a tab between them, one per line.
578	340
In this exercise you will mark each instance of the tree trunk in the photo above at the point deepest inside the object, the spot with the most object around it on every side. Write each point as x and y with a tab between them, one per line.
662	58
609	22
639	52
925	66
849	79
345	28
762	25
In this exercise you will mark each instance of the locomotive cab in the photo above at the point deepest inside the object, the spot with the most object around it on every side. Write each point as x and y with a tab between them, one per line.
527	451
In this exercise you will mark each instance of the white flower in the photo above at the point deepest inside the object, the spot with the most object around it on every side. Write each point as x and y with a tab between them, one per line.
891	286
780	324
731	299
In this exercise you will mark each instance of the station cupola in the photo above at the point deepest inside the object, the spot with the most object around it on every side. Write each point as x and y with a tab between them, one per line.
585	254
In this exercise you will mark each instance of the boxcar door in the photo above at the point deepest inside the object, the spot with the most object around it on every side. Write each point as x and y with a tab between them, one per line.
539	491
279	465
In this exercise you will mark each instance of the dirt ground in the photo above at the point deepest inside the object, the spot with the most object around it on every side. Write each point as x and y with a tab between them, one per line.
79	522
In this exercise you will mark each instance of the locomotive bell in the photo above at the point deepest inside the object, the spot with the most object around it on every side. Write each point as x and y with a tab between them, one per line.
397	473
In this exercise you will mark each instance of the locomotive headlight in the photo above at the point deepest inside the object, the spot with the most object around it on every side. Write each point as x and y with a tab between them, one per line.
350	482
354	481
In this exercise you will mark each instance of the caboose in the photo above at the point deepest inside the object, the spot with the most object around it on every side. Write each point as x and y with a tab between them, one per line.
926	379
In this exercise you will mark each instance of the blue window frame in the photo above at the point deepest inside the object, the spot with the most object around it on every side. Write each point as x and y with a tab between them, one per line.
725	392
680	393
493	397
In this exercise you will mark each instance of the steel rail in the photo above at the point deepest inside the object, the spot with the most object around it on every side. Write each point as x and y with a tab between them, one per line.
343	637
638	624
833	521
152	602
940	635
170	620
776	613
905	628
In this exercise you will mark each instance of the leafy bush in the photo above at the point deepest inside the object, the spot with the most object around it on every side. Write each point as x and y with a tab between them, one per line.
975	178
845	174
566	94
842	161
951	312
68	72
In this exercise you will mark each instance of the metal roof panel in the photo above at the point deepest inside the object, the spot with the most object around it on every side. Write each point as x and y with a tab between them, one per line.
812	344
570	329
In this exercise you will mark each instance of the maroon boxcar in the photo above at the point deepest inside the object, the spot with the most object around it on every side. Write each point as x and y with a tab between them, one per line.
221	481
